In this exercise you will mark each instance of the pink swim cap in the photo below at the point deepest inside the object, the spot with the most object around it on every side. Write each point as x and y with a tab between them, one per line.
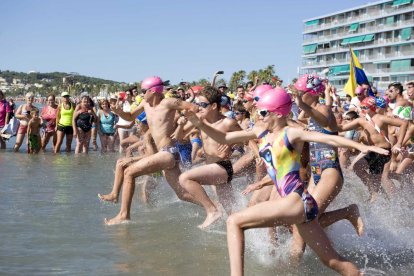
359	90
258	92
310	84
276	100
153	84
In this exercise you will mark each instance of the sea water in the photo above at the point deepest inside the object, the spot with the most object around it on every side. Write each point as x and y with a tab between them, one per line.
52	222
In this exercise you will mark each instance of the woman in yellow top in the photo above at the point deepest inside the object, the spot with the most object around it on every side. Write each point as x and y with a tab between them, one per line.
64	118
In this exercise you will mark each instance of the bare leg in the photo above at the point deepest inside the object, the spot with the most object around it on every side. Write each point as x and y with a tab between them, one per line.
19	141
104	142
351	213
111	143
60	135
287	210
147	187
79	141
192	180
118	180
45	139
316	238
86	141
260	195
360	168
386	181
69	138
94	136
150	164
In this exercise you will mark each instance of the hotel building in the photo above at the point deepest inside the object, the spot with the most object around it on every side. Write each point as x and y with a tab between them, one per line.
380	33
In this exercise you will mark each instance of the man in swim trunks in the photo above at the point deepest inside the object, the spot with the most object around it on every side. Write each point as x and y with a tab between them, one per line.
160	117
219	170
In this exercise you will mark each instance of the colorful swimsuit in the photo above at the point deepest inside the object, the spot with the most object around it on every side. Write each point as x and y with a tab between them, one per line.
322	156
282	164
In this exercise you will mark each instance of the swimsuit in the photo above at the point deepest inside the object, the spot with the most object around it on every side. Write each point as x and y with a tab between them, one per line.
174	151
107	123
376	162
197	141
34	142
282	164
185	153
49	116
84	121
322	156
226	164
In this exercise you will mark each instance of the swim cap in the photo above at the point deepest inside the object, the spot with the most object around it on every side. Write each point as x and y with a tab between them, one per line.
153	84
359	90
258	92
196	89
310	84
380	102
276	100
142	118
370	103
406	113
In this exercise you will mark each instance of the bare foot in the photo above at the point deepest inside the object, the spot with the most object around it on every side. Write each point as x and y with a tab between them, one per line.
119	219
109	197
356	220
211	217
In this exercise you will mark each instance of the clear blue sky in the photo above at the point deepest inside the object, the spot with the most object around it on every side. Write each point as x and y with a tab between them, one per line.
128	40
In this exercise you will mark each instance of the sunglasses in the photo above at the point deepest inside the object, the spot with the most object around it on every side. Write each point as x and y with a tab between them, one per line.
244	101
239	113
263	112
365	107
202	104
256	99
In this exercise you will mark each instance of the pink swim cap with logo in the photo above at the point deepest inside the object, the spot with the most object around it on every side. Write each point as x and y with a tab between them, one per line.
276	100
311	84
258	92
153	84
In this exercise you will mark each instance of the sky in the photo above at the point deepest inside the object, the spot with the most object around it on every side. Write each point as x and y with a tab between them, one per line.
128	40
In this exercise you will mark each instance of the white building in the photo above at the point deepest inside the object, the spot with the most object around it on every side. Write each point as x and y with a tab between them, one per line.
380	33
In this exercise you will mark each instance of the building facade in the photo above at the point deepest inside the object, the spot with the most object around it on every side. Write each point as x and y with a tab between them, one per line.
380	33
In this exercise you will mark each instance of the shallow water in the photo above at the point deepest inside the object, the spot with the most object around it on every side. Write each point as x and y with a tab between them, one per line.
51	222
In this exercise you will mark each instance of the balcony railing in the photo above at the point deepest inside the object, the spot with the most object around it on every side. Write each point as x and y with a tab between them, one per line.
388	10
362	58
381	42
367	30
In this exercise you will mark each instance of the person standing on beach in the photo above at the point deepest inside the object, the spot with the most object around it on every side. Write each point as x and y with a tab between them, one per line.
64	118
4	116
23	114
49	118
33	132
160	117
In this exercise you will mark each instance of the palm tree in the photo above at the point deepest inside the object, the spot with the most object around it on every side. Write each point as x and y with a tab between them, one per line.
237	79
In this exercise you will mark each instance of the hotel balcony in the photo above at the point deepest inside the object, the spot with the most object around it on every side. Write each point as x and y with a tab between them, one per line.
345	33
373	12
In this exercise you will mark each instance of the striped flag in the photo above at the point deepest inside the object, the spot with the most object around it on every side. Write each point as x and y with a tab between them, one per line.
356	75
